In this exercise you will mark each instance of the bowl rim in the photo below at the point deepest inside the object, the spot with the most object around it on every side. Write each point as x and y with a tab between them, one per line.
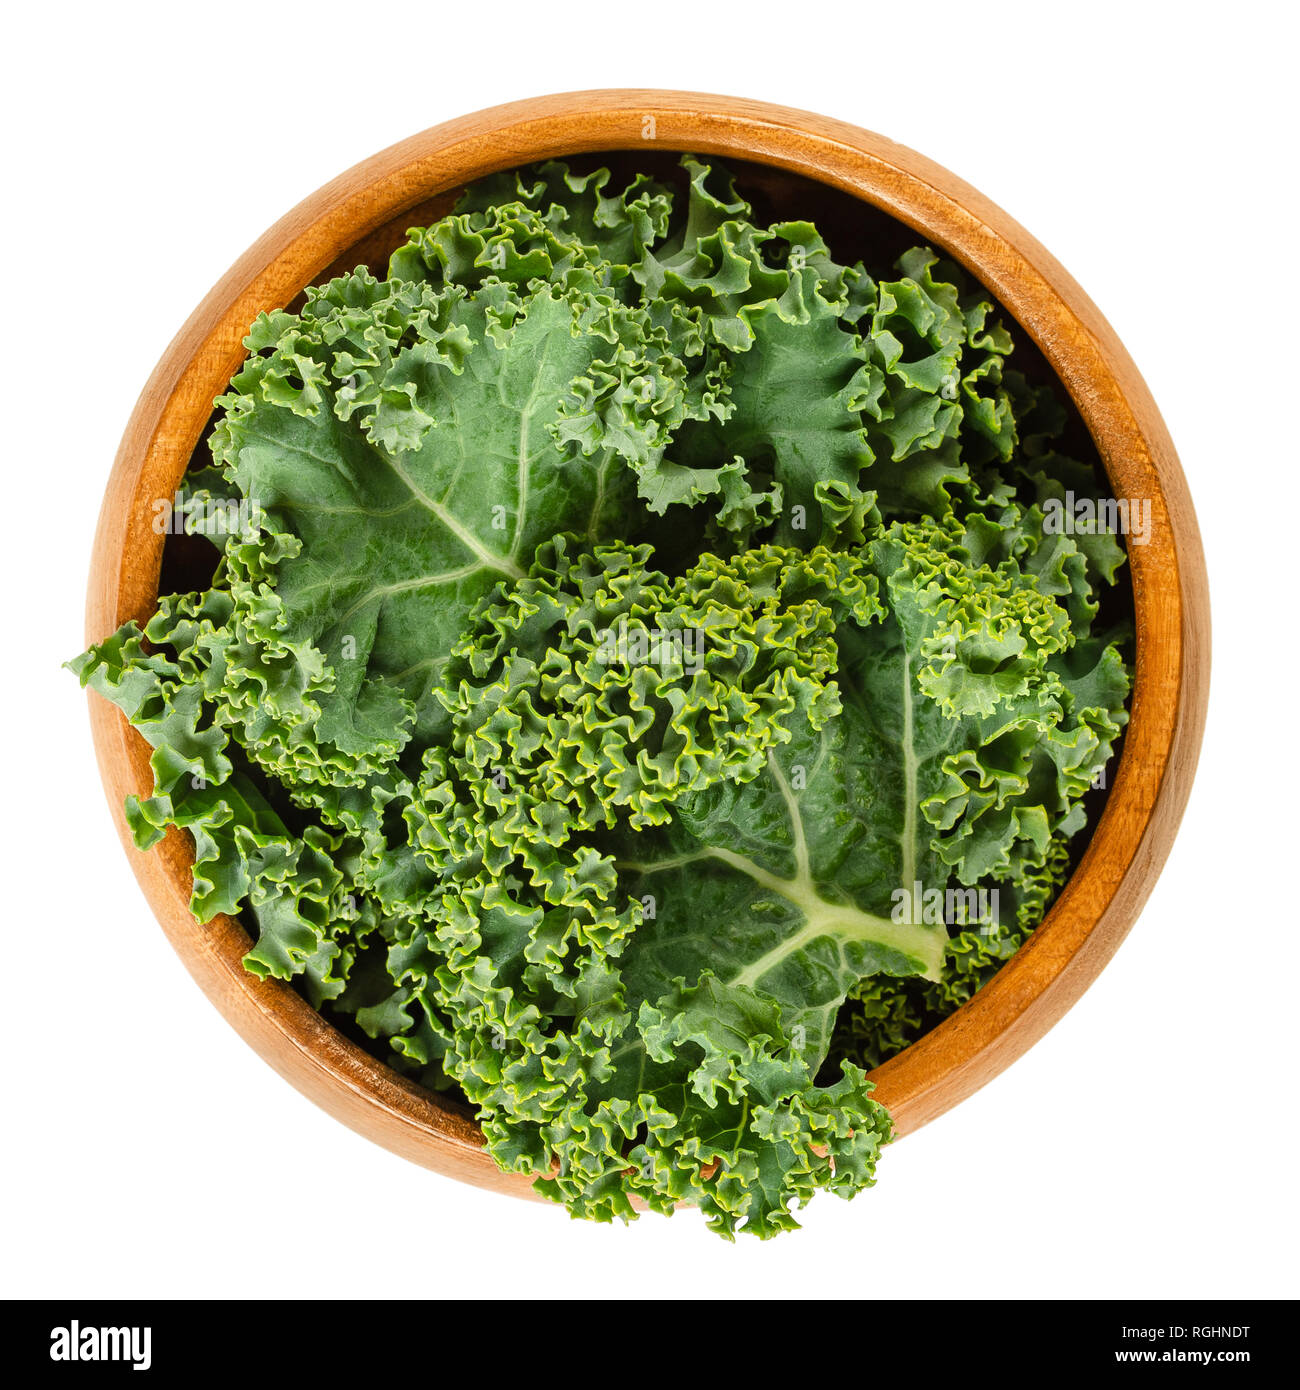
1145	802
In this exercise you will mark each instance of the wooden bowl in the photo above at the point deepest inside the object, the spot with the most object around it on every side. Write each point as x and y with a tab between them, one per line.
361	216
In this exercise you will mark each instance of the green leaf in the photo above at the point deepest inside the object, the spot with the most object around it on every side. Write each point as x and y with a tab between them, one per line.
642	686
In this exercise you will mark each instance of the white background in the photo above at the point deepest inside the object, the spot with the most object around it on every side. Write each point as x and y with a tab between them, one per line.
1147	1147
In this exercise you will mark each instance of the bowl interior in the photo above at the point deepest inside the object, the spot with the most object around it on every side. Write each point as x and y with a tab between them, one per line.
853	231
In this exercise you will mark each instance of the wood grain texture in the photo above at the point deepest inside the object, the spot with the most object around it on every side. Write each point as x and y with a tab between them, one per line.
413	180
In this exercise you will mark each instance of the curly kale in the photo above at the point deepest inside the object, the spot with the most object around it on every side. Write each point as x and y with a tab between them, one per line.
642	658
